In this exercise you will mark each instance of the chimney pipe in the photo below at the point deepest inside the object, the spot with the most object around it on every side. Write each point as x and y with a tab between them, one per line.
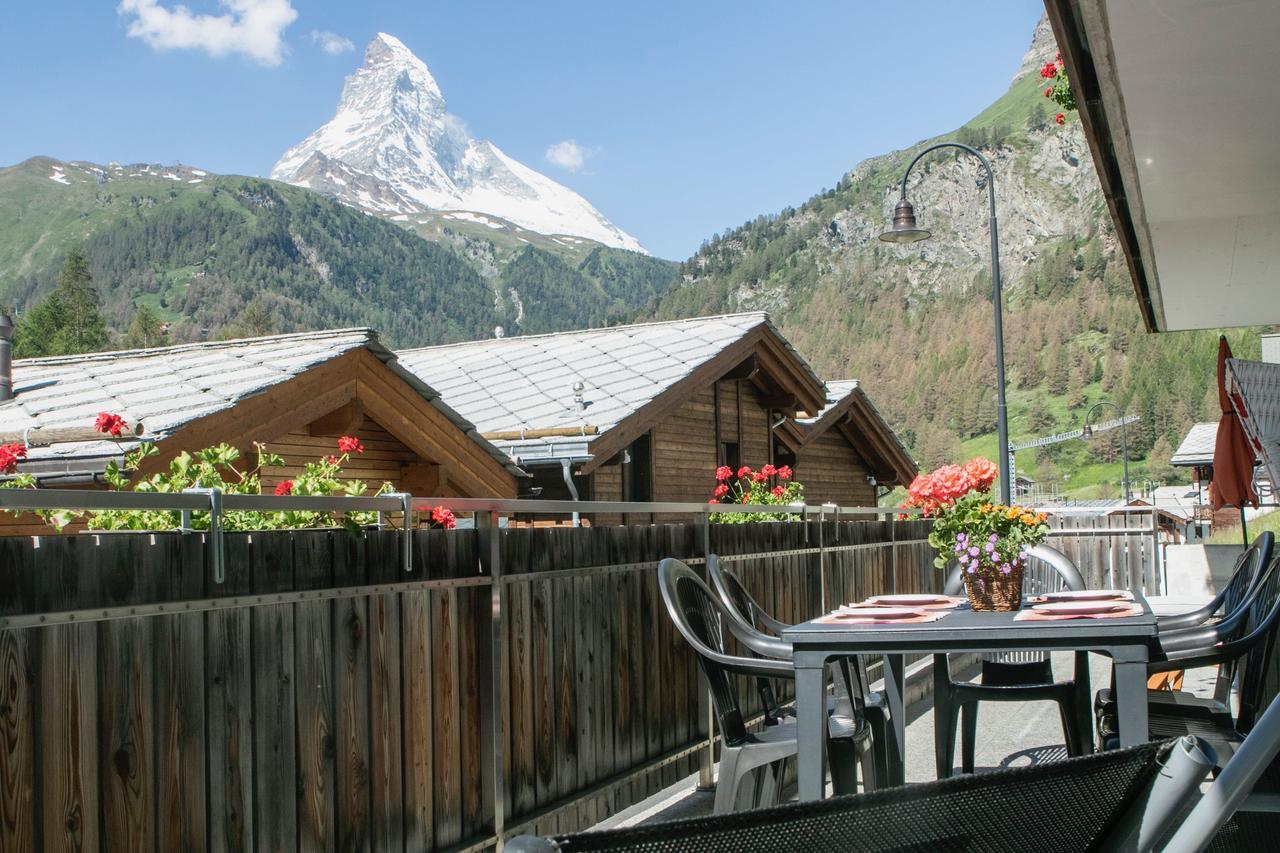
6	357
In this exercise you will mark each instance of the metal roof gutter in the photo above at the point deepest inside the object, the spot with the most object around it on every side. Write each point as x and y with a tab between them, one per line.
1067	19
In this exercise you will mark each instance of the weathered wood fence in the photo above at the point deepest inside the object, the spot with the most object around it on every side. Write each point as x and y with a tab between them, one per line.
1121	551
323	698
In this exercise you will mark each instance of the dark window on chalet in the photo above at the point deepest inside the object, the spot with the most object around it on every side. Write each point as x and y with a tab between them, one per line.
637	475
730	454
782	454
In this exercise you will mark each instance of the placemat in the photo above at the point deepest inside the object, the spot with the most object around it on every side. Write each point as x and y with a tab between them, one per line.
1035	616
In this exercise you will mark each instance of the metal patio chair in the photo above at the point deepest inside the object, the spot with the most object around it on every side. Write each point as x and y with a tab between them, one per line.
1246	637
751	763
854	684
1131	799
1013	676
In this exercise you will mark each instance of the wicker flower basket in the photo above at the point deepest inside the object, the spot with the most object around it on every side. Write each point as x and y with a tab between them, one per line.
1001	593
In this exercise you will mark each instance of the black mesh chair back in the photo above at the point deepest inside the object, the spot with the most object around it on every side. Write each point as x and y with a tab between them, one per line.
1260	633
1056	807
1247	571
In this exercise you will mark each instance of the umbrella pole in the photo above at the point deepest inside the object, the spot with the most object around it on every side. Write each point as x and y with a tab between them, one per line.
1244	529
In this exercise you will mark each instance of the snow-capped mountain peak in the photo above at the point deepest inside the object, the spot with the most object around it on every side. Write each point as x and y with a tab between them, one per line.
392	148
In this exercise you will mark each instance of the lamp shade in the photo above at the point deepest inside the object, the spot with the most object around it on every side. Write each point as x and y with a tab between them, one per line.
1087	432
904	229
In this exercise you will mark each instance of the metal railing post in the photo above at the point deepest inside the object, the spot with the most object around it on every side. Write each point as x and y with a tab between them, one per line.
893	552
493	788
822	560
216	562
1156	574
706	712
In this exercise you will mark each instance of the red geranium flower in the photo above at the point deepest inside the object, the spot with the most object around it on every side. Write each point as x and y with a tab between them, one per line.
779	491
284	487
759	477
721	490
785	472
724	472
768	470
333	460
9	456
350	444
1060	118
1050	70
744	472
1048	91
744	498
109	424
444	518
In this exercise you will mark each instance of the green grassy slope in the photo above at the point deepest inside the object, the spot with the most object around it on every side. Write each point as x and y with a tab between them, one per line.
197	248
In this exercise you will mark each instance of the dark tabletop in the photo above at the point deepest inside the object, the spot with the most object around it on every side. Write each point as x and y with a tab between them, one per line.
964	628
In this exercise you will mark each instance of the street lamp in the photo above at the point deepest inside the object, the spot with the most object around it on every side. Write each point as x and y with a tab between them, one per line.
1087	432
905	230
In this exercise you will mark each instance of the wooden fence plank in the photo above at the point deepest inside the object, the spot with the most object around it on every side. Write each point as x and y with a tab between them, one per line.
447	747
351	694
314	662
18	803
178	643
274	713
228	688
418	721
130	574
385	709
66	727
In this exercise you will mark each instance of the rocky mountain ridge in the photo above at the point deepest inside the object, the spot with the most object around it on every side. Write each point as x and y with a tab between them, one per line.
394	149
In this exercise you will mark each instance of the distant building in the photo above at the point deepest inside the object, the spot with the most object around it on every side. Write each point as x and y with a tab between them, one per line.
648	411
1196	452
1271	348
296	393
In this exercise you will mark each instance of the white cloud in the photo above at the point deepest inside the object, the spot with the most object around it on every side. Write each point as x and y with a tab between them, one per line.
569	155
332	43
249	27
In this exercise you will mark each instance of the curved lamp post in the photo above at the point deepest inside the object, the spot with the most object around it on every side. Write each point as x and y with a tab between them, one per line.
905	230
1087	432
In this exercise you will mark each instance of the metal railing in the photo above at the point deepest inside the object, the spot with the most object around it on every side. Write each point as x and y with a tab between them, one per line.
488	516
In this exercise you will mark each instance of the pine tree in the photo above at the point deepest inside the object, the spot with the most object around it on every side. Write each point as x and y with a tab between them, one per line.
67	321
146	330
83	329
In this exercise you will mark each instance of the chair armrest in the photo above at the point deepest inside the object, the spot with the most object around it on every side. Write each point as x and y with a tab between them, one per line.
1190	619
1188	641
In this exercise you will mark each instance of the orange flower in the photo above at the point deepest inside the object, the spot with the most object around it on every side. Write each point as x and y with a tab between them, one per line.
982	472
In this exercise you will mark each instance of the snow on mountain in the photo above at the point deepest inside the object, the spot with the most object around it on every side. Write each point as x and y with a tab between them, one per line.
392	148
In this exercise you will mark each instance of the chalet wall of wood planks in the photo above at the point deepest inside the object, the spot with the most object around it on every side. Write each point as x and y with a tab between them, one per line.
350	717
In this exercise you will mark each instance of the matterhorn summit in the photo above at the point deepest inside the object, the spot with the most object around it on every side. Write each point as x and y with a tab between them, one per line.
393	148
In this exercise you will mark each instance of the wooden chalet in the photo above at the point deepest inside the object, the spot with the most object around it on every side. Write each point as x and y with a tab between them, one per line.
296	393
846	453
647	412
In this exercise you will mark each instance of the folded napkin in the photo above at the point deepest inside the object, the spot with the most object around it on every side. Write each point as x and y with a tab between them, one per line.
1121	595
1037	616
925	616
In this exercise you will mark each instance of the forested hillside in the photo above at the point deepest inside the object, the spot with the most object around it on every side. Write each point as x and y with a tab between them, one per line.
914	322
217	255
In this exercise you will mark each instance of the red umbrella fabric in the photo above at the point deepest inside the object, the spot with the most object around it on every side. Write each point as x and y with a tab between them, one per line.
1232	455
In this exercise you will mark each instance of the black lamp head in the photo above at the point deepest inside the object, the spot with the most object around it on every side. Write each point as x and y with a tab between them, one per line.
1087	432
904	228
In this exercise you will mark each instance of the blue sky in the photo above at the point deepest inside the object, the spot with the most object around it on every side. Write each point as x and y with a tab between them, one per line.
694	117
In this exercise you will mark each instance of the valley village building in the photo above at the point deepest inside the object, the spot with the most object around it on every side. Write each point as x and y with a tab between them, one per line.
296	393
647	412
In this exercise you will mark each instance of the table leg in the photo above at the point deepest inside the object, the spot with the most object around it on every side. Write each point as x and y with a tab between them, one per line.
811	724
1131	694
895	687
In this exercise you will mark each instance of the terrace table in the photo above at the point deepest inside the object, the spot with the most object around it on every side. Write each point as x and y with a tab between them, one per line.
1127	641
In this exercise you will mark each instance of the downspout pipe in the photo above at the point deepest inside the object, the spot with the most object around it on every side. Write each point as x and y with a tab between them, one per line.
573	490
6	357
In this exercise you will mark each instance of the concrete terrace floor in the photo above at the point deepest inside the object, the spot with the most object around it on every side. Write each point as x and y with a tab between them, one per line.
1010	734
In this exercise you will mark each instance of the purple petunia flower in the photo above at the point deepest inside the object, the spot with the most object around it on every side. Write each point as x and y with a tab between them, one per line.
973	550
993	538
990	548
970	570
1006	569
973	565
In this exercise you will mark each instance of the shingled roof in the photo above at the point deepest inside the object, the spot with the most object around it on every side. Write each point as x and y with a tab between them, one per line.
848	403
526	384
167	387
1197	446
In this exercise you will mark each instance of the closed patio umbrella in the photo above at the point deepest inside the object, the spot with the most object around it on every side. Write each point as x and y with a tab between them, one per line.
1232	454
